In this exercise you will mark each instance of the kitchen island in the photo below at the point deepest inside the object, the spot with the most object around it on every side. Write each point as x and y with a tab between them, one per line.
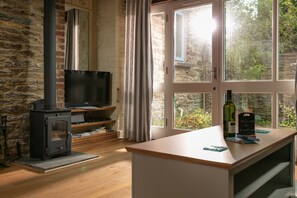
178	166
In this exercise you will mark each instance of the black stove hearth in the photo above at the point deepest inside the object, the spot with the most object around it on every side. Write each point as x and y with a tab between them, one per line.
50	133
50	128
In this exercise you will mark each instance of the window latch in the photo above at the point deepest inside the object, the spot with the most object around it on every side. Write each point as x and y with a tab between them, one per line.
214	71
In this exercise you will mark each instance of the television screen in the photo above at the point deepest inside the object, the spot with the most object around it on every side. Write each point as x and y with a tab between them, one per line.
87	88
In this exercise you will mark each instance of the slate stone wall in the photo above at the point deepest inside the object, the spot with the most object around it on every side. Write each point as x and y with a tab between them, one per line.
21	65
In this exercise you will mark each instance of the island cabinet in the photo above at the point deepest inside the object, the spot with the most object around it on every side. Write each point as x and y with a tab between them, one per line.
178	166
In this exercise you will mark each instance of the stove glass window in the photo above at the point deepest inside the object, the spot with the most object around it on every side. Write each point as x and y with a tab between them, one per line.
58	130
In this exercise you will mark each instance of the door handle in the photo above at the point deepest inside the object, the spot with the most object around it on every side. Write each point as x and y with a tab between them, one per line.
214	71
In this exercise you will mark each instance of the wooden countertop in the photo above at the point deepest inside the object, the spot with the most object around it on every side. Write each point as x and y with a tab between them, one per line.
189	147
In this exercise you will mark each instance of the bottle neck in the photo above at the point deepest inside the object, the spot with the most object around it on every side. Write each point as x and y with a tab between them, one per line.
229	96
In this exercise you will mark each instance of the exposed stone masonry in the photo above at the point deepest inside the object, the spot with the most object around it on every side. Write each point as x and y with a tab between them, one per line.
110	25
21	65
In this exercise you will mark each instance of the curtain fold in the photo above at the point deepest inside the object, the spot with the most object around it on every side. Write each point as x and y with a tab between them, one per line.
72	20
138	71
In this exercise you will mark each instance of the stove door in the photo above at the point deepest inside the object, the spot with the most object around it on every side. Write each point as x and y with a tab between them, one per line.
58	135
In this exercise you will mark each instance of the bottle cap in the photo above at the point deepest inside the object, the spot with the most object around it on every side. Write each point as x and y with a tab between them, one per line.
229	94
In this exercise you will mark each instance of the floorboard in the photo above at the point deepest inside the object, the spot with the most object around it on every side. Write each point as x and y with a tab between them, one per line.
107	177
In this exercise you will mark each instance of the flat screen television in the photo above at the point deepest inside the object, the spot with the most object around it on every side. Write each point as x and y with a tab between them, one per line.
87	88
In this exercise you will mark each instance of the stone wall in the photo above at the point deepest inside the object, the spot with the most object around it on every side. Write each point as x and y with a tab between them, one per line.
110	25
287	65
158	42
21	65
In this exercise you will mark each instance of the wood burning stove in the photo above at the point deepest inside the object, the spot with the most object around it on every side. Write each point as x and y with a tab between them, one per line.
50	129
50	133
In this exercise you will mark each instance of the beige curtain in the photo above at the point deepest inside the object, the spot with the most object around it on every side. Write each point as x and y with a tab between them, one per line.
72	20
138	71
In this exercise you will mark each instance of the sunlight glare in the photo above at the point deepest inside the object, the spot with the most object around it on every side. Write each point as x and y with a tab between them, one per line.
202	23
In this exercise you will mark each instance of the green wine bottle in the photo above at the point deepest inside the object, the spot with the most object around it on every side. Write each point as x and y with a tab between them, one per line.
229	116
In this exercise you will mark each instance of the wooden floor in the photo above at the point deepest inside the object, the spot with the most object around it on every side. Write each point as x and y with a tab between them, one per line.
107	177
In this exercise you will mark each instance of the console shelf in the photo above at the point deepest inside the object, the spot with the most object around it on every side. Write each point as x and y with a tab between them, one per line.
91	114
92	124
86	109
95	138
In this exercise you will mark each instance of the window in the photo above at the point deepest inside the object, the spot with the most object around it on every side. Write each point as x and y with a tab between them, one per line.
179	37
260	58
208	47
248	40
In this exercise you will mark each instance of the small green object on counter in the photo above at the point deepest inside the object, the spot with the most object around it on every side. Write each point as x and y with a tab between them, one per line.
215	148
261	131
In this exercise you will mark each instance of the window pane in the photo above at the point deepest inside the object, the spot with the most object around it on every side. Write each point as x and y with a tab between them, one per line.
248	40
158	110
286	109
192	110
259	104
287	39
195	66
179	37
158	45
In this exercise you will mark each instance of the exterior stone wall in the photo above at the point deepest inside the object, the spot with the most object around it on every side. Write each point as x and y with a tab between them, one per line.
287	65
158	42
198	53
21	65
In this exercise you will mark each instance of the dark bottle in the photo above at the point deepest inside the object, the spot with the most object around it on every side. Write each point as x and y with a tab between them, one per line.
229	116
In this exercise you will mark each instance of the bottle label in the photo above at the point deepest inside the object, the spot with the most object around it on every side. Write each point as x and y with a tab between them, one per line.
231	127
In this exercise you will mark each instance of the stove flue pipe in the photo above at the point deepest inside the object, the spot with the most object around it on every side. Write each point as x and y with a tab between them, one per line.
49	35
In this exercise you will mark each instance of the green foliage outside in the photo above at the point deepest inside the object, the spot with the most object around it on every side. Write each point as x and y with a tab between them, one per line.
254	72
288	26
249	46
195	119
158	122
260	122
289	117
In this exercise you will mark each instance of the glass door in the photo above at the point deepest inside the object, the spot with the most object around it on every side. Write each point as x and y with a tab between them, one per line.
186	60
203	48
158	42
